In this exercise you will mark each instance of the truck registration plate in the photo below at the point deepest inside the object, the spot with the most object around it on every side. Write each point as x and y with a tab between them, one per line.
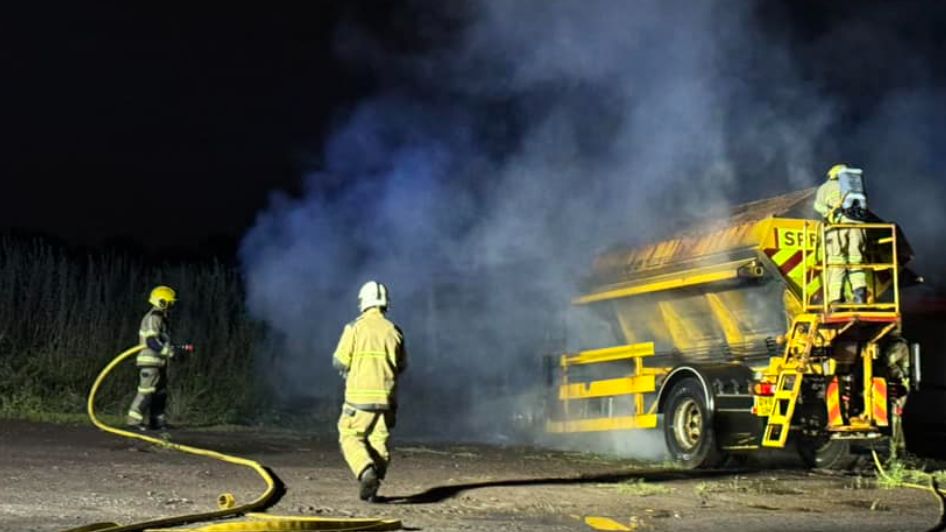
764	405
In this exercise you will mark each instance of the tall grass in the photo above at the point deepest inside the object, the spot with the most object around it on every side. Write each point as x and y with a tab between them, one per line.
64	315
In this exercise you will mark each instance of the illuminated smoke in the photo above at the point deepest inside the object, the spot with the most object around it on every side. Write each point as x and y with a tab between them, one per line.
498	158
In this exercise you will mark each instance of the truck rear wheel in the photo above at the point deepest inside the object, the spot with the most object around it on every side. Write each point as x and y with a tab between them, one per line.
826	454
688	429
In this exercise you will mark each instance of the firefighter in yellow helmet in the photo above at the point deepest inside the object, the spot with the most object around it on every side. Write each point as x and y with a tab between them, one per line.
843	246
147	408
370	356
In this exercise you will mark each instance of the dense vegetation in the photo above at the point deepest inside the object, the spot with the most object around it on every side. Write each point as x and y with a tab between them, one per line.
65	314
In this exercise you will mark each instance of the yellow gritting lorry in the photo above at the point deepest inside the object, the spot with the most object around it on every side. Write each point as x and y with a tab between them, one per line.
728	345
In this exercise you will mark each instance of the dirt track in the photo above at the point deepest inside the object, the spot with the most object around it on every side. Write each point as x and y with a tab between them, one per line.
55	477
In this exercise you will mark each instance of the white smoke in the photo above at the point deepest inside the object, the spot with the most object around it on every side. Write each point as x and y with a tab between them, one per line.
496	160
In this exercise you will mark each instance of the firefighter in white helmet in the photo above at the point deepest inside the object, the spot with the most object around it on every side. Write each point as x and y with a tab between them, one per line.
843	246
147	408
370	355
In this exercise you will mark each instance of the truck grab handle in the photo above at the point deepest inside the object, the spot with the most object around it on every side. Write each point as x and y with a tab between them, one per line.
915	373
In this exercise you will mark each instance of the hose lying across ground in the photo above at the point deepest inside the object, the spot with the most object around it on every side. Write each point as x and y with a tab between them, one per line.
933	488
228	508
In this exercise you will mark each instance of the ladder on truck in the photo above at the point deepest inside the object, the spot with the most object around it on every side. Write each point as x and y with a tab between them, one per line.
788	385
839	317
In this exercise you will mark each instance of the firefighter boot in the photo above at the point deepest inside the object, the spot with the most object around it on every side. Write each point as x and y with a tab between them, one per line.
135	420
160	423
369	484
137	425
860	296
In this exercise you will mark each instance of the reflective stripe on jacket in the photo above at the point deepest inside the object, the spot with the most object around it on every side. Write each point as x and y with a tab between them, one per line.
154	325
371	350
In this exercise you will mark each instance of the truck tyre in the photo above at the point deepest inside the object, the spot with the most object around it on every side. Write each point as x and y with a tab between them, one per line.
826	454
688	429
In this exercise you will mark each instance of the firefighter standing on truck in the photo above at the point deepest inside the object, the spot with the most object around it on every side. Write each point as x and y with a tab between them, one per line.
370	355
843	246
147	409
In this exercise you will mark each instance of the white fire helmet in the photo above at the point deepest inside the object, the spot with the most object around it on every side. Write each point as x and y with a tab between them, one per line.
372	294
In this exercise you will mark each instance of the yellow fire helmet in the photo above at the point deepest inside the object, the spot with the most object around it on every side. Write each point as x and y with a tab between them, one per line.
836	170
162	297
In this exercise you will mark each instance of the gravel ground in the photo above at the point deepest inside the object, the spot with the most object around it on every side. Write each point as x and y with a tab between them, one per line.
54	477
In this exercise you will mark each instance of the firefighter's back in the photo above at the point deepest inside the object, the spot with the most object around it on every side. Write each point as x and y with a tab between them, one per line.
377	343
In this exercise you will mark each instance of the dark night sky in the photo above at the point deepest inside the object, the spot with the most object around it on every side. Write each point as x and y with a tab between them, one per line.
164	127
170	128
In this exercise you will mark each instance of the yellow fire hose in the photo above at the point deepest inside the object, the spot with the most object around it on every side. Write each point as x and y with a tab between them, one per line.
932	487
228	508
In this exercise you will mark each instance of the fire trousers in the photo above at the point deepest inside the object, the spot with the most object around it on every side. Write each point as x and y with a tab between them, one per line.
363	436
843	246
148	405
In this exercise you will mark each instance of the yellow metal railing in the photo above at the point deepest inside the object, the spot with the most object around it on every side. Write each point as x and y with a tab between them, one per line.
636	384
872	249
